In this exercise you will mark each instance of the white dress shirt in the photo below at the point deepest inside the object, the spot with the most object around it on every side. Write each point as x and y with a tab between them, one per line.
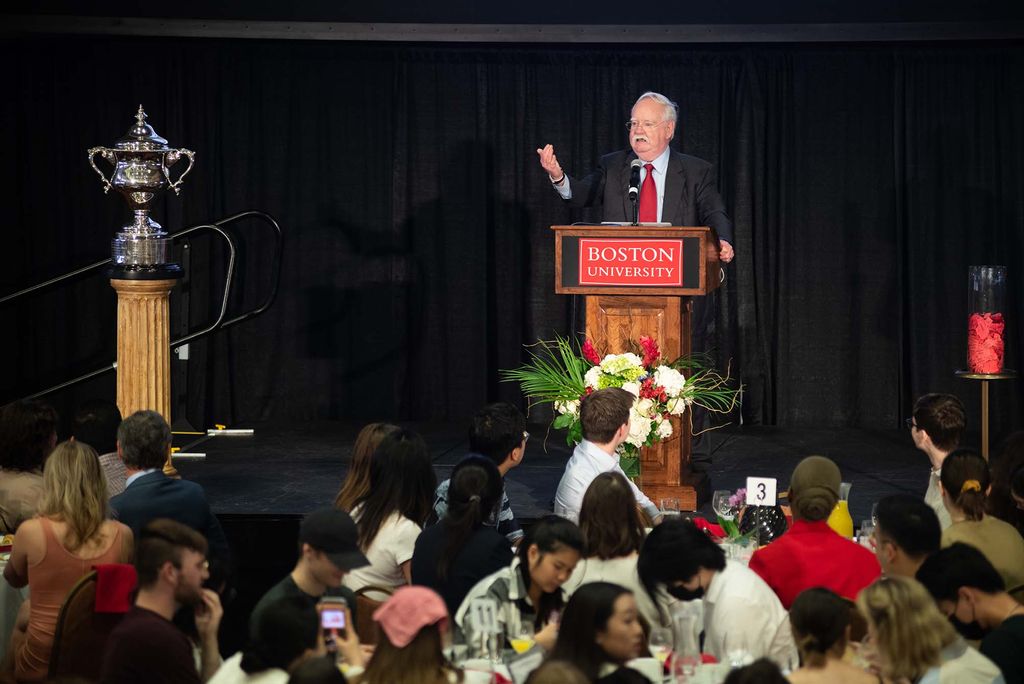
587	462
742	613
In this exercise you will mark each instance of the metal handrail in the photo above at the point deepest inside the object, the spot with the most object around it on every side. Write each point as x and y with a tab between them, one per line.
218	324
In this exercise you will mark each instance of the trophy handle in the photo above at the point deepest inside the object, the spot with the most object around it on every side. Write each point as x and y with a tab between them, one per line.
92	162
170	159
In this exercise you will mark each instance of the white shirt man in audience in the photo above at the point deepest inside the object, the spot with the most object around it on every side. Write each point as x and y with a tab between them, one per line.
741	612
604	416
906	532
936	426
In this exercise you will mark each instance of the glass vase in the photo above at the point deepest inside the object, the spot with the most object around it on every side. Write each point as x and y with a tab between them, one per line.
986	326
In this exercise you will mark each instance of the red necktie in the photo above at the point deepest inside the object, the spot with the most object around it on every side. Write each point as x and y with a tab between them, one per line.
648	198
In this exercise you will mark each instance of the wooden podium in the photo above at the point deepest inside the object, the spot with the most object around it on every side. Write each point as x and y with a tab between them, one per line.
639	280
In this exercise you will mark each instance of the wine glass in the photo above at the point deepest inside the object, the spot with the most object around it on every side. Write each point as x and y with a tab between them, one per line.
660	643
720	504
874	514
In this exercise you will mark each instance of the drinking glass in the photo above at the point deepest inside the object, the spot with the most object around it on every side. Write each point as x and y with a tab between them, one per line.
669	507
524	640
720	504
660	643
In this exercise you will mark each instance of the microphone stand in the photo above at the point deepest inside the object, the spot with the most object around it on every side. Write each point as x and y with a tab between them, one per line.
636	209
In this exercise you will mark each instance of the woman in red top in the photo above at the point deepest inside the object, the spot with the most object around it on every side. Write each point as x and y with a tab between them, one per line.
55	549
810	553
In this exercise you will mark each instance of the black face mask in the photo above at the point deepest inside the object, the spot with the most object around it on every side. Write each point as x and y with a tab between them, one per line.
684	594
971	631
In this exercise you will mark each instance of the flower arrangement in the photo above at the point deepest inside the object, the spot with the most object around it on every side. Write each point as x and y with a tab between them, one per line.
563	375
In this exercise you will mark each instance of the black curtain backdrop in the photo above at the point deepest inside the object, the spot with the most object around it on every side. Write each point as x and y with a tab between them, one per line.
863	180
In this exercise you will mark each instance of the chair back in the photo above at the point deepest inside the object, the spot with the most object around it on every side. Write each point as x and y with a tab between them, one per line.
366	628
81	633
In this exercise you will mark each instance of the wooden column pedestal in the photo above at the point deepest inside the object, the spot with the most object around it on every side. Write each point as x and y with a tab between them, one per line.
143	348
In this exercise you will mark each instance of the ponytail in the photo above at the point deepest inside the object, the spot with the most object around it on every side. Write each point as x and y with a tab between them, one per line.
966	480
474	494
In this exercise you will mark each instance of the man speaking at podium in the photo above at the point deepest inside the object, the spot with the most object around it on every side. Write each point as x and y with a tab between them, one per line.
673	188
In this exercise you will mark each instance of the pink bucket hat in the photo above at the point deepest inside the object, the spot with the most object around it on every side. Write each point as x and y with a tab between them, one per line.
409	610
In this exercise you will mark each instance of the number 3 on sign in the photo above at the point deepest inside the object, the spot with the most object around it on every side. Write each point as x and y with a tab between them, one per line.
761	491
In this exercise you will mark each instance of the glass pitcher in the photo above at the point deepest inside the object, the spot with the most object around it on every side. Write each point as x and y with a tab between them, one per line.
840	519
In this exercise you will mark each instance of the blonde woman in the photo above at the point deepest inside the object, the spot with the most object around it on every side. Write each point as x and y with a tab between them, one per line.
914	641
54	550
357	481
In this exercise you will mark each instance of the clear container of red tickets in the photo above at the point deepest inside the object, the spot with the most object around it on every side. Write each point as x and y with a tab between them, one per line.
986	323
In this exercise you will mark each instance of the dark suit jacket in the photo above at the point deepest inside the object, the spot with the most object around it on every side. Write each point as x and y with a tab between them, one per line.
154	495
691	193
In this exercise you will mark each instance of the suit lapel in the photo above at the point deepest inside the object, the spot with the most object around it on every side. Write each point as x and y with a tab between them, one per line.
675	189
627	206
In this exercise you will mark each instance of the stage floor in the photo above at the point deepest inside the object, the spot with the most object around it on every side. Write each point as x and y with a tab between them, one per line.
287	470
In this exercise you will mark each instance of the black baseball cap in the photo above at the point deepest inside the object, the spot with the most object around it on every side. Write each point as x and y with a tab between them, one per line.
333	533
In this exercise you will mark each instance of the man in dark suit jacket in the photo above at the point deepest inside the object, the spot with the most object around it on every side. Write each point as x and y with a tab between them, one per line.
683	192
144	443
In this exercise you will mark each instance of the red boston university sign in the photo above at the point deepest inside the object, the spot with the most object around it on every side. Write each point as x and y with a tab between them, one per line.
632	261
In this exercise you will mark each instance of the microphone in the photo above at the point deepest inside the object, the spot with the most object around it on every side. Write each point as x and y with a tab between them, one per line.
634	179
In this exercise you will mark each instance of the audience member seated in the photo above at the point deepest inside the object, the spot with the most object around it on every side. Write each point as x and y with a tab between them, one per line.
1006	500
600	632
741	612
392	513
498	432
452	556
144	444
965	484
970	591
170	560
810	553
612	536
820	619
906	532
327	550
54	550
557	672
604	418
761	671
936	425
913	641
413	624
357	480
96	424
529	591
285	635
318	671
28	433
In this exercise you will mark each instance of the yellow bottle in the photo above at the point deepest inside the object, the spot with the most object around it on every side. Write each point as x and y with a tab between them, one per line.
840	519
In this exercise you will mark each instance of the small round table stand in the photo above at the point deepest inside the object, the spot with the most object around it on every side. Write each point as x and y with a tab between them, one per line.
985	378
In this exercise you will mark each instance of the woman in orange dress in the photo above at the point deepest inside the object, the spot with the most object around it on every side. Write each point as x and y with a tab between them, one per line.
58	547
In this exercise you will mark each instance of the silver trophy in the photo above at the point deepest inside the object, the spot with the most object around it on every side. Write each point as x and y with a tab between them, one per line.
142	162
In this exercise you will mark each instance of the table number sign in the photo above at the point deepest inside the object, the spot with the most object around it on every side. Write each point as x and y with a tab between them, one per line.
761	491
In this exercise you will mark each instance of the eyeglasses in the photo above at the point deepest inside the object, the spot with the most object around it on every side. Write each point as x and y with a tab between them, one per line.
647	125
909	422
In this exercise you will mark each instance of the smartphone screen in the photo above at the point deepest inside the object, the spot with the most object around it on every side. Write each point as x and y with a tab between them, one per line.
332	618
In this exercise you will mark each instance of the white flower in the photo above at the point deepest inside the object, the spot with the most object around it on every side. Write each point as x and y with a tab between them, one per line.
632	387
639	428
664	429
671	379
617	362
592	377
644	407
677	406
570	406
